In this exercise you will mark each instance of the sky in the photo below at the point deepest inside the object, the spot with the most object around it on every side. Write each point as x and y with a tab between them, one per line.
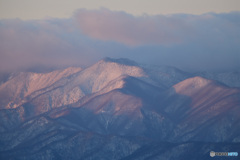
192	35
35	9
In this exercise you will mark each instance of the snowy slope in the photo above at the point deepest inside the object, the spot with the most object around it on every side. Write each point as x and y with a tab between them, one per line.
59	88
231	79
16	89
117	109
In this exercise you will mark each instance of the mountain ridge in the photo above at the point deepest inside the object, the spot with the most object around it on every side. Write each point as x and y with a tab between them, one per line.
117	109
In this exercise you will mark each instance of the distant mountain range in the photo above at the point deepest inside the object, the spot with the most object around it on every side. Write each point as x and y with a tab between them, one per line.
119	109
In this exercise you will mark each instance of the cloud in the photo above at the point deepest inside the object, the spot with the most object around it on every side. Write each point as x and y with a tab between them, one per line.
121	27
52	43
124	28
191	42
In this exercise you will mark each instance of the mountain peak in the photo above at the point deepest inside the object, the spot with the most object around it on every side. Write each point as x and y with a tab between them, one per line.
123	61
198	84
194	82
200	81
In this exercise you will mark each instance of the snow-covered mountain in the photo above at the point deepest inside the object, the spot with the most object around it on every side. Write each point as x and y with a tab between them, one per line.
117	109
59	88
14	92
231	79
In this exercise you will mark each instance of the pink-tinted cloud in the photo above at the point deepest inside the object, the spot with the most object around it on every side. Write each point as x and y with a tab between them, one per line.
26	44
107	25
192	42
132	30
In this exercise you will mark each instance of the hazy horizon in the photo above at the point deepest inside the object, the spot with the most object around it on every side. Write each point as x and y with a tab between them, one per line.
190	35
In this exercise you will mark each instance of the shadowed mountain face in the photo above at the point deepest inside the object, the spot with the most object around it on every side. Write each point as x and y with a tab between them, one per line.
117	109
